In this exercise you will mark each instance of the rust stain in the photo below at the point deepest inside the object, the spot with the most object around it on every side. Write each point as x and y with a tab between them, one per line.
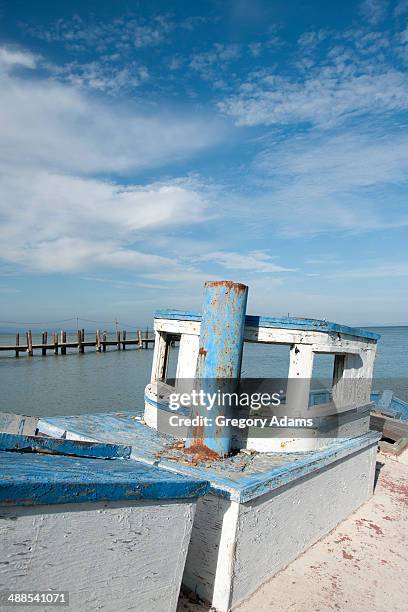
401	489
198	434
342	539
240	287
366	523
201	452
202	352
347	555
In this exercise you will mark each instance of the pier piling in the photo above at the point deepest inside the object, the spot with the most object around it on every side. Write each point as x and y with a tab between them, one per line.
98	341
29	343
44	339
55	342
63	342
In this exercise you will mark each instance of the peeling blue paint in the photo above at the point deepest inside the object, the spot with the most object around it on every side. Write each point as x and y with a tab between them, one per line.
219	356
240	485
279	323
76	448
48	479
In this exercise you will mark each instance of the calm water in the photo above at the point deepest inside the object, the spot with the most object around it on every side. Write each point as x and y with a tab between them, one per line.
115	380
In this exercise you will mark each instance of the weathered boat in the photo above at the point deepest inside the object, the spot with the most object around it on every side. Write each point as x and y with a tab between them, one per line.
272	490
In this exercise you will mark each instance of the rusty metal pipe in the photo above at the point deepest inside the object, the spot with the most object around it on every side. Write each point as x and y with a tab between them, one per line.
220	357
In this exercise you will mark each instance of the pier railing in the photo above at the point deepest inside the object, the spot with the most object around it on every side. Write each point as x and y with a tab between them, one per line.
58	343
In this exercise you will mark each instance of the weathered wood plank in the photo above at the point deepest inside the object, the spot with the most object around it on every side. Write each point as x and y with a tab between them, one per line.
18	423
61	446
49	479
389	427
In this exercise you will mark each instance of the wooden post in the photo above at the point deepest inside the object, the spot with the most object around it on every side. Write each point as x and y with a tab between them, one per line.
80	340
17	344
124	339
118	339
44	342
55	342
299	378
29	343
63	341
98	341
104	342
139	337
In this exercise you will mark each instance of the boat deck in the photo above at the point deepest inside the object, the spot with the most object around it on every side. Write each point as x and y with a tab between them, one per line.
240	478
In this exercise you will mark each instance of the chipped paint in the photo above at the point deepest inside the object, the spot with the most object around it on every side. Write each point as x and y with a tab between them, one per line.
62	446
219	358
47	479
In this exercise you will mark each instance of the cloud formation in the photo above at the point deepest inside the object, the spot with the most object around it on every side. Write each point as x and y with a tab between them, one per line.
58	213
359	75
334	183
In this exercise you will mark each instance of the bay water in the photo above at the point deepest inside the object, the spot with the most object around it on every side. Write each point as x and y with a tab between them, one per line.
115	381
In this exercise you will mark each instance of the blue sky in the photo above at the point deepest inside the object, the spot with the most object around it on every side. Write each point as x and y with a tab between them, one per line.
147	147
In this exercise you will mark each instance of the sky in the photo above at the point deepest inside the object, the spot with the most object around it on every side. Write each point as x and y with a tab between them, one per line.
148	147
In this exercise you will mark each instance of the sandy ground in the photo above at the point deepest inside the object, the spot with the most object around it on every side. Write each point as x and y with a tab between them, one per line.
361	565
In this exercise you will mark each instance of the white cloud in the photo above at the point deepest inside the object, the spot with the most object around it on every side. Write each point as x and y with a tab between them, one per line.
103	76
58	213
375	270
312	38
323	100
355	74
208	63
59	222
374	11
255	261
334	183
57	126
349	160
121	34
10	57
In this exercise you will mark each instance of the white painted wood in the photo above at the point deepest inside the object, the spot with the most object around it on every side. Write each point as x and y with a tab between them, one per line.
352	379
205	547
322	342
174	326
108	556
159	357
223	579
299	377
234	550
187	356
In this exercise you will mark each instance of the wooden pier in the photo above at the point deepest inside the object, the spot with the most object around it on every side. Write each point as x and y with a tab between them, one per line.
58	343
